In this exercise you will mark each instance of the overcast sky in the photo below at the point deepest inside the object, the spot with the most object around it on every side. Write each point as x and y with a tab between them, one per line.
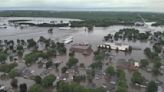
139	5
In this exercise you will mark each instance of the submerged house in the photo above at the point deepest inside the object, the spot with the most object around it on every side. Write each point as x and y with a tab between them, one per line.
85	49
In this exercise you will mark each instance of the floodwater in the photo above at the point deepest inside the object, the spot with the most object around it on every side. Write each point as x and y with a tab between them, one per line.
80	35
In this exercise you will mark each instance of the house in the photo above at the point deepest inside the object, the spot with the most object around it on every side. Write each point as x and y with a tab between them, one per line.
85	49
115	46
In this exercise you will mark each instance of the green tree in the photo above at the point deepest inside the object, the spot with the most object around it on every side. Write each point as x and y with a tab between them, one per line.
13	73
3	57
72	61
157	48
7	67
121	89
38	80
14	83
31	43
48	80
152	87
49	64
20	48
110	71
36	88
51	52
144	63
137	78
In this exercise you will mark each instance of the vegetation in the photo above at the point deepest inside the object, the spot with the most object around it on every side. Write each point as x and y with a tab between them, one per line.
14	83
36	88
38	80
91	18
23	87
137	78
99	55
13	73
131	34
144	63
7	67
73	87
32	57
110	71
72	62
48	80
151	55
121	83
157	48
3	57
156	68
61	48
96	65
79	79
152	87
31	43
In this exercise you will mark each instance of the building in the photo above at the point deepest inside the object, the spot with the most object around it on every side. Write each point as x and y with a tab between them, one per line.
118	46
85	49
68	40
139	24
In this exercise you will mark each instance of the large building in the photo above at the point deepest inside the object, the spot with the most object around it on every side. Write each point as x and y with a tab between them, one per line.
82	48
118	46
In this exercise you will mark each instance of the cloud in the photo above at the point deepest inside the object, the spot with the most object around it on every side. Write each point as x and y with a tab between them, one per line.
151	4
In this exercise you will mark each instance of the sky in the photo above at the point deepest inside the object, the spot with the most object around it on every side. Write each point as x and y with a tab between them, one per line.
127	5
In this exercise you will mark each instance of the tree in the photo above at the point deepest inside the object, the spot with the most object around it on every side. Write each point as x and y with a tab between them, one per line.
49	64
7	67
36	88
64	69
96	65
14	83
99	55
20	53
51	52
48	80
38	80
144	63
20	47
152	87
121	83
32	57
13	73
157	48
31	43
155	71
110	71
3	57
23	87
156	68
121	89
72	61
74	87
137	78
